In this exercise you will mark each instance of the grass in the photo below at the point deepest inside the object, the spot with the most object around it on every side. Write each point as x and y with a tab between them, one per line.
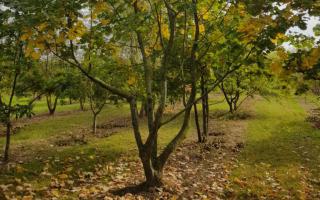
279	158
34	145
40	106
281	153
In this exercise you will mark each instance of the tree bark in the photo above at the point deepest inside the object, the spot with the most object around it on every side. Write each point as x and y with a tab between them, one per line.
52	107
7	147
204	109
94	123
143	109
196	119
8	123
82	101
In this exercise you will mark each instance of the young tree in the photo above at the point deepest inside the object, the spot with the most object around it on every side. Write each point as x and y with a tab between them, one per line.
97	98
12	64
245	83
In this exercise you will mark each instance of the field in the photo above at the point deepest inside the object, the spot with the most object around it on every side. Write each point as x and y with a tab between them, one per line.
278	159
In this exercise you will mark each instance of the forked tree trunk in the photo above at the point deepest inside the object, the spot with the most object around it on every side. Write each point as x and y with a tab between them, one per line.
95	109
230	107
143	108
153	164
228	98
52	106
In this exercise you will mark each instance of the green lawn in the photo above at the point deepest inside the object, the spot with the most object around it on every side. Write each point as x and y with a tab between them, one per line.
281	154
40	106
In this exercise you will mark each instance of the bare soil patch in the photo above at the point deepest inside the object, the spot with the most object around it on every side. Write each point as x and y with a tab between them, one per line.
313	113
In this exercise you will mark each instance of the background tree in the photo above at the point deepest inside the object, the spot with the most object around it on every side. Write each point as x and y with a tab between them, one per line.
12	64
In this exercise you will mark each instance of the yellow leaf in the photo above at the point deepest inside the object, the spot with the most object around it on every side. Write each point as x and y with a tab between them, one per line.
276	68
63	176
131	80
104	21
40	46
174	197
78	30
19	169
202	28
240	182
61	38
35	55
27	197
69	169
280	37
42	26
205	16
99	8
158	46
165	31
55	193
26	35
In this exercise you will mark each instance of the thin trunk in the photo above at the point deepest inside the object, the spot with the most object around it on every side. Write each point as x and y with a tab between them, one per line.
226	96
207	108
8	134
82	101
95	109
204	110
193	64
8	124
230	107
152	171
196	119
52	107
143	109
35	99
94	124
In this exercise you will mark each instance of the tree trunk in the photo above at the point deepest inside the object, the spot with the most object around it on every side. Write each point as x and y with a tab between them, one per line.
52	107
143	108
8	135
235	107
207	108
82	101
196	119
94	124
204	110
152	173
226	96
8	131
